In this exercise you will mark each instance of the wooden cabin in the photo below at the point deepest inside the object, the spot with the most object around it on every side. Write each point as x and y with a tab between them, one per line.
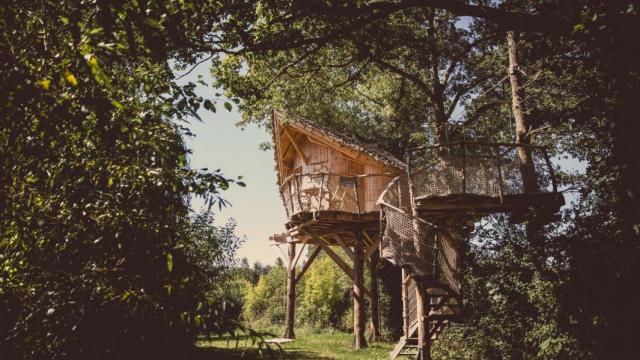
328	181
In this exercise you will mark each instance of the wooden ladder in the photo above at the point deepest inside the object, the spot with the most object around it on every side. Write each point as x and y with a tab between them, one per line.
405	347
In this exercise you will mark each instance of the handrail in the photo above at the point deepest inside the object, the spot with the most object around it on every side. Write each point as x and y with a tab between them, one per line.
435	146
334	174
484	155
328	192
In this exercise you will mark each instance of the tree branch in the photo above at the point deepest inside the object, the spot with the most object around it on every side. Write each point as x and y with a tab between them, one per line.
508	20
411	77
463	92
482	109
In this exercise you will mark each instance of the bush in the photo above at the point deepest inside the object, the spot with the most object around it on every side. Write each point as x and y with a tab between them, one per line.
325	296
264	302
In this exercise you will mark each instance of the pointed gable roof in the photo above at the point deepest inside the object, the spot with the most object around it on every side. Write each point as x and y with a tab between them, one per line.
353	148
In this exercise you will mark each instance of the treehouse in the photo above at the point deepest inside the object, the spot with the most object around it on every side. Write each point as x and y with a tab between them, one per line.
429	211
329	185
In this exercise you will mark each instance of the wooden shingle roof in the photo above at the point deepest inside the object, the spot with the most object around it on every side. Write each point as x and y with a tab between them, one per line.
335	139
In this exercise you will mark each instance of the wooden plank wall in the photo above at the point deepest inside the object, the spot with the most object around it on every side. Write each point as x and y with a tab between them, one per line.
319	158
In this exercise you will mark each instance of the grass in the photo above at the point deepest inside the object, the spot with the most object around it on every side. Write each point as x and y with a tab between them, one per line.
309	344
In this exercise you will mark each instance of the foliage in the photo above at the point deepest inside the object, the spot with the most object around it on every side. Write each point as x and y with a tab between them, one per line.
323	301
264	302
97	249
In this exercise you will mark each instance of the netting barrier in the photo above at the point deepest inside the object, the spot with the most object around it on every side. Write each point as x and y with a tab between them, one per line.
493	170
413	243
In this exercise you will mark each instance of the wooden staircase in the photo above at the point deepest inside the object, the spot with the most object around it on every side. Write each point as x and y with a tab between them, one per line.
408	347
443	308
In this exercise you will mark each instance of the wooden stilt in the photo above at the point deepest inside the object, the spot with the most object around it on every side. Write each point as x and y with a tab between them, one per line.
291	293
405	303
375	320
422	307
358	293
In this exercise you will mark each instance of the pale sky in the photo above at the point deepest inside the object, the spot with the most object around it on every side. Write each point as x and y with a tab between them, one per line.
219	144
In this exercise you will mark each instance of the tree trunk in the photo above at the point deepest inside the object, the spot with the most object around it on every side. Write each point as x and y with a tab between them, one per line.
523	128
534	227
375	319
291	294
437	96
358	293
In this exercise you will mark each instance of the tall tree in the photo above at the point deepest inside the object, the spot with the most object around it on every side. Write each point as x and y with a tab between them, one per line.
95	237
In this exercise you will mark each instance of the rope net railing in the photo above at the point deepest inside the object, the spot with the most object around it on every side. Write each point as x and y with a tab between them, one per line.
331	192
485	169
423	248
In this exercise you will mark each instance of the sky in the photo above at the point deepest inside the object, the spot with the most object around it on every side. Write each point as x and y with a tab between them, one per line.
219	144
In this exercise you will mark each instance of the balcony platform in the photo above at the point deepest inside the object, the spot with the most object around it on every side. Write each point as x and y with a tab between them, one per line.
326	224
482	204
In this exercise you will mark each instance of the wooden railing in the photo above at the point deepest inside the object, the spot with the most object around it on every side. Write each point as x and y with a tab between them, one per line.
489	169
332	192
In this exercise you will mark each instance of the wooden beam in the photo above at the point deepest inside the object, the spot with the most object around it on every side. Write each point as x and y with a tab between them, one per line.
308	263
372	248
295	145
346	154
366	236
295	261
344	246
286	151
284	256
338	260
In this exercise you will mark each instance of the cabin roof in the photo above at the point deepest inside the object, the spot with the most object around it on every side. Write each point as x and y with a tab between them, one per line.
334	139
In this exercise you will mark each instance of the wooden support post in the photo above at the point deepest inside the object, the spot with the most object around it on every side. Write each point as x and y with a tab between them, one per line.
355	189
297	177
422	307
375	319
291	294
321	194
405	303
358	293
464	168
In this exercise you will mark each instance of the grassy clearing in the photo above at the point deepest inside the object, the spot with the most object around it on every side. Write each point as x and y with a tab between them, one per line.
309	344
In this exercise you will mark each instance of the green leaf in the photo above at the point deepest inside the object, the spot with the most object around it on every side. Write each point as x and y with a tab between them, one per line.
169	262
117	104
71	79
228	106
44	84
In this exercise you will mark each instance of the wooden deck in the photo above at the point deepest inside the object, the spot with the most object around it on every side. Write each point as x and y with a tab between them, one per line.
542	203
332	225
